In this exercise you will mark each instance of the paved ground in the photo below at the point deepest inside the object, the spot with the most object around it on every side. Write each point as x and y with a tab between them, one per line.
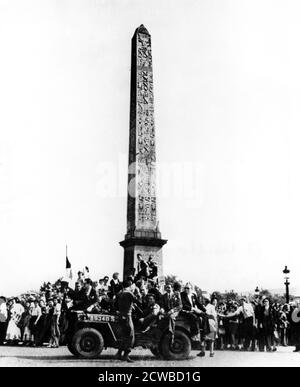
61	357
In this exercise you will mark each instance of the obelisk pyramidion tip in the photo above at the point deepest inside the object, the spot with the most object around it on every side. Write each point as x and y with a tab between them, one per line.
142	30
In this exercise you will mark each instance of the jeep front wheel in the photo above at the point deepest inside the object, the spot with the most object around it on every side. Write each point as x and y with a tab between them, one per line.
177	349
87	343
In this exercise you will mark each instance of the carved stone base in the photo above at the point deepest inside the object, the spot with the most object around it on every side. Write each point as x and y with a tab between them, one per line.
144	246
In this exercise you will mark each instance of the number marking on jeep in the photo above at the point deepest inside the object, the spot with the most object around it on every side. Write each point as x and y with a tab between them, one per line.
100	317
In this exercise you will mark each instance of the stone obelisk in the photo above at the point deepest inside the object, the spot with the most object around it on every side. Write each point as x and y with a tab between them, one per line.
143	236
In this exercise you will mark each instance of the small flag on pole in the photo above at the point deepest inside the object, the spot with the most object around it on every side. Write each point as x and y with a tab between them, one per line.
68	264
69	274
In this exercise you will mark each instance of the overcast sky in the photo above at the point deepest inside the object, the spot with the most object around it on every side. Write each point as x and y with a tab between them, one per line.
227	97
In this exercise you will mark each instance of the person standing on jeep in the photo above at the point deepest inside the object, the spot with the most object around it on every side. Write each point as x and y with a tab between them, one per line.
124	303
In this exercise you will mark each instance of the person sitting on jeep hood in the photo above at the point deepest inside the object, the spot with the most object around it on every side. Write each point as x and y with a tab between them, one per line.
150	313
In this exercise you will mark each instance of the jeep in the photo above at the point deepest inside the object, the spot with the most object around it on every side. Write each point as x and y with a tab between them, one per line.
89	333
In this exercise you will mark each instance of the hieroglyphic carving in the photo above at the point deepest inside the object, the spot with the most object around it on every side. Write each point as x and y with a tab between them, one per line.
145	134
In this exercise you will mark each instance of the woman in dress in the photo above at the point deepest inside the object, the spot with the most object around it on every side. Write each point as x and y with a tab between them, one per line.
13	333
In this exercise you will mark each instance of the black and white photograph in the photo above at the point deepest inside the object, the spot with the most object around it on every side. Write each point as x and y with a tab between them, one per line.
149	186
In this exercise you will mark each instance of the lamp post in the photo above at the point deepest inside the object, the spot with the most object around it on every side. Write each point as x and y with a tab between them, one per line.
287	283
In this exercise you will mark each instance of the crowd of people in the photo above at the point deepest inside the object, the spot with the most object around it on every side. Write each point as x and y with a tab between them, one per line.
31	321
254	324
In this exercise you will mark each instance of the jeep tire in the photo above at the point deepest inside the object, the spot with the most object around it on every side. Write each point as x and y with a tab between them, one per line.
179	349
87	343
